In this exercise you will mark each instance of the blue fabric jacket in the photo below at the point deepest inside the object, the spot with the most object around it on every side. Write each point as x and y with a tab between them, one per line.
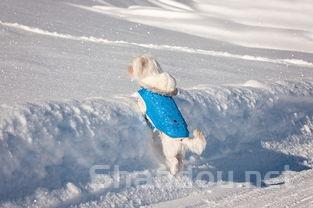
163	114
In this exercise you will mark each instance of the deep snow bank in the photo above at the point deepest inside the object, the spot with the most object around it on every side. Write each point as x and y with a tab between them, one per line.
50	144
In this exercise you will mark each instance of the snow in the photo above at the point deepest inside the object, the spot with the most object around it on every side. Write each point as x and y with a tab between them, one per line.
245	75
290	191
254	83
80	53
46	145
260	25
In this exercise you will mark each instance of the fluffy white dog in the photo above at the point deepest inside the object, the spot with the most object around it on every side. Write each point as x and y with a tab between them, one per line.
156	104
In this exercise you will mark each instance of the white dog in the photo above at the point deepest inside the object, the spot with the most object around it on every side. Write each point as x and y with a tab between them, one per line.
160	110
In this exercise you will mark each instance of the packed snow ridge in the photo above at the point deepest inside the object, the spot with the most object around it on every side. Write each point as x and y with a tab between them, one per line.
182	49
47	149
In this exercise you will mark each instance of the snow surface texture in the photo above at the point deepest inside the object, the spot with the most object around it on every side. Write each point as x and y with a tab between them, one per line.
246	79
54	50
296	192
48	149
261	25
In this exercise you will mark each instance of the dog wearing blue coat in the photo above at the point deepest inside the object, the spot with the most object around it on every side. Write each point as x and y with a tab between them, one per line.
155	102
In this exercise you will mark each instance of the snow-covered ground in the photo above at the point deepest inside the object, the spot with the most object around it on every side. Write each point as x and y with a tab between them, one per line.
245	70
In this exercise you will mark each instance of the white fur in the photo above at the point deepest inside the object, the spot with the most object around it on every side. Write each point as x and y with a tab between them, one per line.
162	83
145	66
148	73
174	149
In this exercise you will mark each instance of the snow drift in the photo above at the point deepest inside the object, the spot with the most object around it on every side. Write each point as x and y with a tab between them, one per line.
261	25
53	145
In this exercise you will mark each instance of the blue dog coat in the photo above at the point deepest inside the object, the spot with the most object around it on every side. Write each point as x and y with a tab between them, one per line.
163	113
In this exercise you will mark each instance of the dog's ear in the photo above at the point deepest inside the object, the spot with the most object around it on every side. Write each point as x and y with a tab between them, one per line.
141	65
144	65
143	62
130	70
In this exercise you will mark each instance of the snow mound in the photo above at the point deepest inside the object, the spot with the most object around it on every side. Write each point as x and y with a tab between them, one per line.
47	149
48	144
255	84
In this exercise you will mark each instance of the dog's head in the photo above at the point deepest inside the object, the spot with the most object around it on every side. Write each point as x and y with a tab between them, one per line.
142	67
148	73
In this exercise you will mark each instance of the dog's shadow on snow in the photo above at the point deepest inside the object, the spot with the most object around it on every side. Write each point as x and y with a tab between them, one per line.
242	156
255	165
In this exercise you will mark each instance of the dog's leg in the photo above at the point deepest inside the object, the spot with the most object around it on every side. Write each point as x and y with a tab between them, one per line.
141	105
171	148
157	150
173	165
180	158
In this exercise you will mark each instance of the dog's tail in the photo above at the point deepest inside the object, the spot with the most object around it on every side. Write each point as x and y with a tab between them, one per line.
197	143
